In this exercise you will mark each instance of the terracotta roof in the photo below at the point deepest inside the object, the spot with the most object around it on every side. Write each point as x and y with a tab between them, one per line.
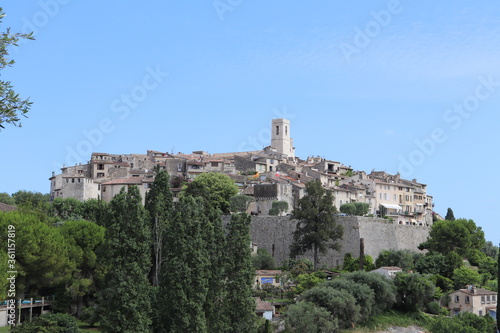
262	306
125	181
478	291
6	208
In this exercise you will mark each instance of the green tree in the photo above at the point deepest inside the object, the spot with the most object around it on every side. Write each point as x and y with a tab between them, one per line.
124	302
84	238
490	250
413	291
352	264
400	258
66	209
184	274
263	260
316	229
12	107
7	199
278	208
30	199
307	281
159	204
95	210
460	236
49	323
42	253
216	188
449	215
364	296
464	322
435	263
339	303
308	317
362	208
464	275
240	274
239	203
348	208
384	289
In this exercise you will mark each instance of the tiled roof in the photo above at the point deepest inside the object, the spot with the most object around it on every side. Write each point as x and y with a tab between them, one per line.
478	291
6	208
392	268
262	306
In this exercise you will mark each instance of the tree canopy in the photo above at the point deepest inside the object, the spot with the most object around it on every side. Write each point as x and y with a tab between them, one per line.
316	229
215	188
12	107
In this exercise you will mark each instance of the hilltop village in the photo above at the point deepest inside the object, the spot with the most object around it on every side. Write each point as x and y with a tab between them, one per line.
273	173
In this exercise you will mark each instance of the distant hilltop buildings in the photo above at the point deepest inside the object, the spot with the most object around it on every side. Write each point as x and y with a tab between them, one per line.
273	173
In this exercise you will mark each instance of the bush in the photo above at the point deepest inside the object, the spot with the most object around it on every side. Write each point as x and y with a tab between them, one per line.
340	303
263	260
239	203
50	323
278	208
308	317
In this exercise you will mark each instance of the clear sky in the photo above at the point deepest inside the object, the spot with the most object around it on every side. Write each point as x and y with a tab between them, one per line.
408	86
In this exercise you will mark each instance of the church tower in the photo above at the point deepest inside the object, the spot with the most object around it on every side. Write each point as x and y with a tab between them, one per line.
280	137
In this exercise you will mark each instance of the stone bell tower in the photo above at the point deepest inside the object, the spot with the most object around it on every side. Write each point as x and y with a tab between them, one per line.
280	137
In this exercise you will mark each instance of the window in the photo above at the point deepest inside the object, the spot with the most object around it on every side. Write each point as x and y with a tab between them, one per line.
104	188
457	298
493	298
277	130
286	130
482	299
100	166
488	300
100	174
72	180
480	313
467	299
215	164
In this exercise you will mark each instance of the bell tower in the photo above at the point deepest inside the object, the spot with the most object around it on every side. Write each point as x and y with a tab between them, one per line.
280	137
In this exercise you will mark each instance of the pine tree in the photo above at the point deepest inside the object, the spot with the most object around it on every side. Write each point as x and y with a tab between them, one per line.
159	204
184	278
316	229
124	303
239	303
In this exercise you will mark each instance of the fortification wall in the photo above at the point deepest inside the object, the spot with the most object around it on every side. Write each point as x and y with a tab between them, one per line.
275	235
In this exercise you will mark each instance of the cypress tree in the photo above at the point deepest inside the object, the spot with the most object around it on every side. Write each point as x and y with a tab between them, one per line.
184	277
124	303
159	204
239	303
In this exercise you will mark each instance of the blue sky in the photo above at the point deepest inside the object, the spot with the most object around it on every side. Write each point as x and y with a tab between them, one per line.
387	85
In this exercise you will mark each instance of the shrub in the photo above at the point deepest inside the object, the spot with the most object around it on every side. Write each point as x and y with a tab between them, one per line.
50	323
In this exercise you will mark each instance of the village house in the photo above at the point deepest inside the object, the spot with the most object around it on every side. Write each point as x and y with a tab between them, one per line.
389	272
476	300
269	277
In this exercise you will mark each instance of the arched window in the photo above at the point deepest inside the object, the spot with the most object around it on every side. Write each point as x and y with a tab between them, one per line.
277	130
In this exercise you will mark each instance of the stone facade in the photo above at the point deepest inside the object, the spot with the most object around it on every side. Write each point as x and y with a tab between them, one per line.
275	235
